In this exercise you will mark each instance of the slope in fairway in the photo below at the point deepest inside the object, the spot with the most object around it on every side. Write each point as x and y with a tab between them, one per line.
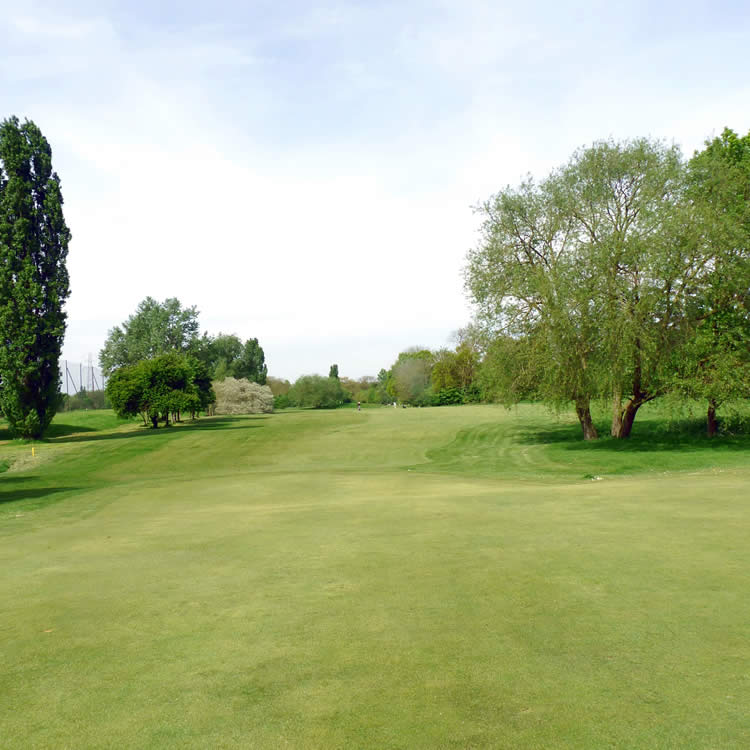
425	578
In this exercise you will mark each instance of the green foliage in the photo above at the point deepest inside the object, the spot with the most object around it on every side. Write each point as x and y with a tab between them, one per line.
278	385
509	372
408	380
155	388
220	353
317	392
33	279
334	372
594	268
282	401
456	371
200	393
155	328
715	364
251	364
86	400
365	389
448	396
227	357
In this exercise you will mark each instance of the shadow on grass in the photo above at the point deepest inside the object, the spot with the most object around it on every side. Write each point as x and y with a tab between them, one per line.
207	424
651	436
53	431
18	491
56	430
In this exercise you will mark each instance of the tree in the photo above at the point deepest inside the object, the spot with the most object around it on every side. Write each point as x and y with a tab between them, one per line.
334	372
278	386
251	364
34	281
716	363
317	392
159	387
454	373
220	354
227	357
155	328
594	268
409	377
201	393
634	228
528	283
509	373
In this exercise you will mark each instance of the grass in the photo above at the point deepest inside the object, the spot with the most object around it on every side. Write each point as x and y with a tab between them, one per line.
421	578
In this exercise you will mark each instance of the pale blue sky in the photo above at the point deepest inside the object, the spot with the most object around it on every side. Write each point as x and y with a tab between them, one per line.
303	172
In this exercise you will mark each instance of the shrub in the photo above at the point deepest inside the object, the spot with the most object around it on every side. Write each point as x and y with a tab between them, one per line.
317	392
86	400
281	401
242	397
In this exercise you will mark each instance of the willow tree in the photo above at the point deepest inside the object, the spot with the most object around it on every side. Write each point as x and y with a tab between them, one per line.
34	281
593	268
528	283
639	237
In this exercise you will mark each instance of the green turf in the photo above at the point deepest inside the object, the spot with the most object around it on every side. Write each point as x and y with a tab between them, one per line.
391	578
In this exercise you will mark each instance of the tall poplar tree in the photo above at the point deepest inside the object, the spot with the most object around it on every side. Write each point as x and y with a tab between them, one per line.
33	279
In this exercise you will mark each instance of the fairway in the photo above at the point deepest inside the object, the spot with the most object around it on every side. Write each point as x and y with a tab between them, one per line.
457	577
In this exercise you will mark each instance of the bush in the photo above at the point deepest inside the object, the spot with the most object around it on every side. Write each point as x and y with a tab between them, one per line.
86	400
317	392
281	401
447	396
242	397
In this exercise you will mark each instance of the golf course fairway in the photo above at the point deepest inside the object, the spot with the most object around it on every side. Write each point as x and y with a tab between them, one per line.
457	577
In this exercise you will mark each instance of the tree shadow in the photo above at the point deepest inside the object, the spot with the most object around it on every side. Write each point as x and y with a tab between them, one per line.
19	492
144	432
53	431
648	436
60	430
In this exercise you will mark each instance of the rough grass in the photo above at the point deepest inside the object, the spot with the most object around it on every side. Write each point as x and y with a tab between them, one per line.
423	578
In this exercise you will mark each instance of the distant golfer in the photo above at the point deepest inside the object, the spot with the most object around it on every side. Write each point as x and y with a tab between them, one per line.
359	406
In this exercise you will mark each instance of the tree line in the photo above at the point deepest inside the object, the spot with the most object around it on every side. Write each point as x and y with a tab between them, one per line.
418	377
621	277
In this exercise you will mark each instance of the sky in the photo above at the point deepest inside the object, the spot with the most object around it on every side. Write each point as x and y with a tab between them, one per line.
305	172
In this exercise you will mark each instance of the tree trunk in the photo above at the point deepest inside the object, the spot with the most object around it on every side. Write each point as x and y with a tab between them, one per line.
155	421
584	417
712	424
626	419
616	415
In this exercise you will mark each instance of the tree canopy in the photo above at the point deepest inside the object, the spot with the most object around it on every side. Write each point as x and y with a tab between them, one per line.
715	365
317	392
34	281
227	357
596	269
155	328
155	388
